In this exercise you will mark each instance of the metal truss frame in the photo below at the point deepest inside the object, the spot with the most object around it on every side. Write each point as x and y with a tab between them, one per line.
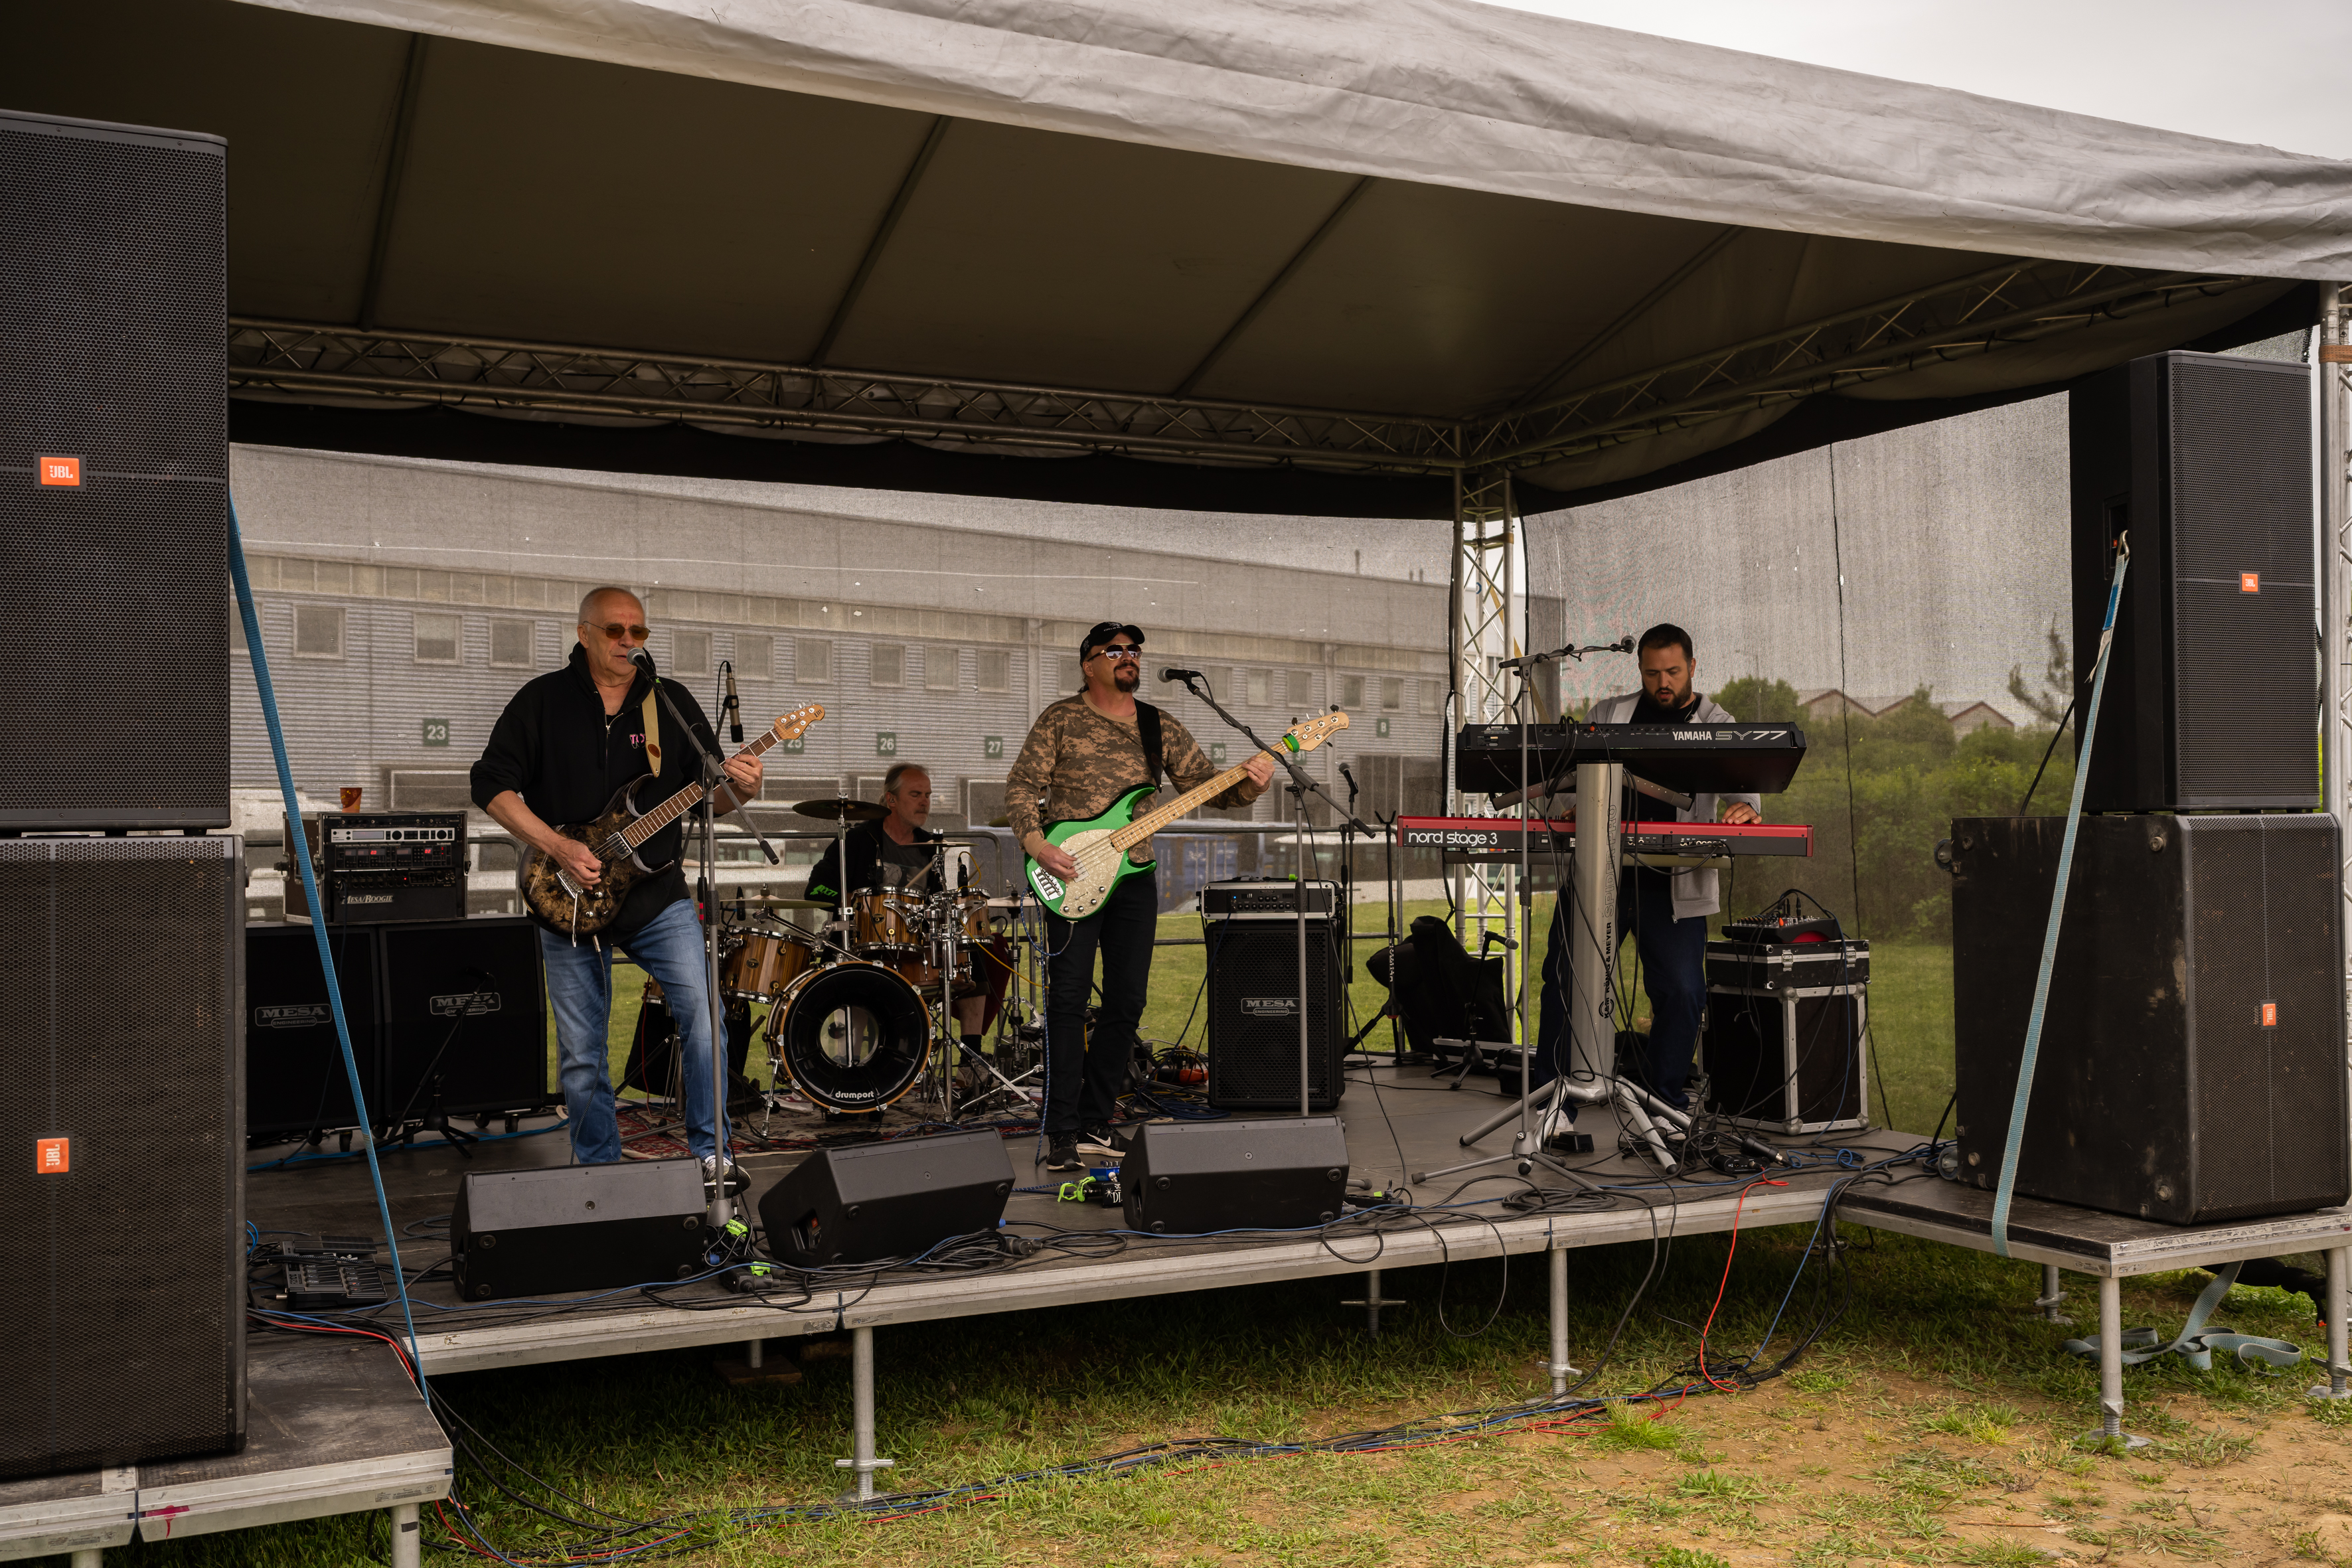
1487	620
2332	385
1984	313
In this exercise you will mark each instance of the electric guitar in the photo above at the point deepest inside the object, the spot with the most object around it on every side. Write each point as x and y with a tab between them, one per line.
550	891
1101	844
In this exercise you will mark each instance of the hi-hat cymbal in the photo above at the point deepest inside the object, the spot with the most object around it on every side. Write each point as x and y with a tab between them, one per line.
840	808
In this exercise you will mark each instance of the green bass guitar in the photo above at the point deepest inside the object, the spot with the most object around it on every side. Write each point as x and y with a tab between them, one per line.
1101	844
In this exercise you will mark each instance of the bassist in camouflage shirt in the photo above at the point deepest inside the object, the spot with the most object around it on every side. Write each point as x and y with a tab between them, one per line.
1081	754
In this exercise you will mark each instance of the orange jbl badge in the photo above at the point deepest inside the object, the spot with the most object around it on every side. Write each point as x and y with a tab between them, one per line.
59	471
52	1156
2250	582
2270	1015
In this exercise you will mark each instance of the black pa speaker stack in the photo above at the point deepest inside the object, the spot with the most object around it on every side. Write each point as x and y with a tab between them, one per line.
122	1260
2191	1066
1253	995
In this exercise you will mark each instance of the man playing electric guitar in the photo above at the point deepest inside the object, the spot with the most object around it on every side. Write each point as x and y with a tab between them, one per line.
564	745
1083	753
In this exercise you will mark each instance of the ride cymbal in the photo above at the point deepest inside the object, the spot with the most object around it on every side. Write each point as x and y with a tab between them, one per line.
840	808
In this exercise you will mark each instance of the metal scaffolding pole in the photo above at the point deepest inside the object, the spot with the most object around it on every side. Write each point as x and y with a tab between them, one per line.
2332	378
1487	613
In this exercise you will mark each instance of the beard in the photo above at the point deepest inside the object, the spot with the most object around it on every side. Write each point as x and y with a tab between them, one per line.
1127	677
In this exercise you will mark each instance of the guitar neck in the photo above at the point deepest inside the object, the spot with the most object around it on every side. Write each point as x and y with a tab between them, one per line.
635	833
1152	822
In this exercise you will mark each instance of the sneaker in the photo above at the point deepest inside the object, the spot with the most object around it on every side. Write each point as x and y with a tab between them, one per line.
712	1165
1102	1143
1062	1155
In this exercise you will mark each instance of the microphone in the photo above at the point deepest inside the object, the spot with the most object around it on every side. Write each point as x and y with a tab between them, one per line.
640	658
734	708
1353	788
1180	675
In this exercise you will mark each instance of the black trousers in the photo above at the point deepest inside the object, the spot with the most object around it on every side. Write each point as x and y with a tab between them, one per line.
1084	1077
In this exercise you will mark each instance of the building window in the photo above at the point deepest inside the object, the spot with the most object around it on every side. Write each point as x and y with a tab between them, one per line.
1352	691
510	643
889	666
318	630
436	638
812	659
1301	690
690	653
1261	688
1432	696
1074	675
995	668
940	665
1221	681
237	629
755	655
1392	692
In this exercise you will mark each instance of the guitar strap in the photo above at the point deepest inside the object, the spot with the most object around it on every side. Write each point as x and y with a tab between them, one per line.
653	731
1147	730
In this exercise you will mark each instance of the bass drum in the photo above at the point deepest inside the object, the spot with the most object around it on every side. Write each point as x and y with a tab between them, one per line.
853	1037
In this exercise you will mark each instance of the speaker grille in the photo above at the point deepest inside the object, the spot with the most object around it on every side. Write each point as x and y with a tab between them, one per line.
468	993
120	1280
1252	1037
2245	684
113	332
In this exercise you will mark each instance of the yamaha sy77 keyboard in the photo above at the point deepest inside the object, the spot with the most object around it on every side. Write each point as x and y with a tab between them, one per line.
1723	758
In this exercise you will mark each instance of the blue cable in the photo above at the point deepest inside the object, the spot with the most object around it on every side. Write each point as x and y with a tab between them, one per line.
301	847
2007	1188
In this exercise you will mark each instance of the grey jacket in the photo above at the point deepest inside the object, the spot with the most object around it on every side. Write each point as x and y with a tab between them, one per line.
1696	892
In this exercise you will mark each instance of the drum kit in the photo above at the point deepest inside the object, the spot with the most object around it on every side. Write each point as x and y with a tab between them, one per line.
868	1003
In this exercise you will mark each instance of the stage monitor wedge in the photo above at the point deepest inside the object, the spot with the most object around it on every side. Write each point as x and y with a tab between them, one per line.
897	1199
1191	1178
2212	696
561	1228
114	473
2191	1066
123	1256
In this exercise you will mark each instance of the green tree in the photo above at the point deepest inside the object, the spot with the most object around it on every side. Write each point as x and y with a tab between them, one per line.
2050	704
1752	699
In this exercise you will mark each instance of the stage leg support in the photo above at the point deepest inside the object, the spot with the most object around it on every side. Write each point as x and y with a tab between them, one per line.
1372	1301
2111	1368
2339	1366
755	1353
94	1556
2051	1294
406	1543
861	1417
1559	1365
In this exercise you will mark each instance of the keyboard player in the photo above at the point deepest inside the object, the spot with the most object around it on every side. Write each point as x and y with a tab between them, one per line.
1665	910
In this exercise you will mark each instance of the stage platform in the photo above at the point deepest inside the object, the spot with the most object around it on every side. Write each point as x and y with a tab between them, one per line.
333	1426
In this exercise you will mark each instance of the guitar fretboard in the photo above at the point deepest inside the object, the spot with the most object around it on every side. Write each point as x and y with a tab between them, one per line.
1152	821
635	833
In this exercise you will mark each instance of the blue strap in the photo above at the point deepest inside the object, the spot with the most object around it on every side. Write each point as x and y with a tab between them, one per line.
2196	1346
2008	1186
302	849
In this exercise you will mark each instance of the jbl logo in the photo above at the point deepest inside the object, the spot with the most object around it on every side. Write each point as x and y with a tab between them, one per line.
52	1156
59	471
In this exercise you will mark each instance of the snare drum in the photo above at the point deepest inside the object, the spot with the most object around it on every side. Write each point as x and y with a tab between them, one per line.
885	921
765	962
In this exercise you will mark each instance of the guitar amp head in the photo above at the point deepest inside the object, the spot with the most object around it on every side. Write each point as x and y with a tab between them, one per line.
381	867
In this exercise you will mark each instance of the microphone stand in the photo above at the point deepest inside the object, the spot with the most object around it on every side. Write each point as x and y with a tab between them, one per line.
1302	785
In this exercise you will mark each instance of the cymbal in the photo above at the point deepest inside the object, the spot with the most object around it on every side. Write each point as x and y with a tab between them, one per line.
780	903
840	808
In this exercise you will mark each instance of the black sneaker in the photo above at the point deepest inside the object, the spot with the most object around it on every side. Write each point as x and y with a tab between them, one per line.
1102	1143
1062	1155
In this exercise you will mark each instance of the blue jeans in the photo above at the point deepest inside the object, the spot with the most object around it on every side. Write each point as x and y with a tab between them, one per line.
580	990
1674	973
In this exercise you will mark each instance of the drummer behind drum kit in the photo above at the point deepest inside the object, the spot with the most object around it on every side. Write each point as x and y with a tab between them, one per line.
861	1004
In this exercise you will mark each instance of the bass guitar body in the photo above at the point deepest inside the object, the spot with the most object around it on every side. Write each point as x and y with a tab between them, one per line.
1102	865
550	893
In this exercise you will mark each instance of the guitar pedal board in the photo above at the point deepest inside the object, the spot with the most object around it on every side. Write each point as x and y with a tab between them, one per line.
382	868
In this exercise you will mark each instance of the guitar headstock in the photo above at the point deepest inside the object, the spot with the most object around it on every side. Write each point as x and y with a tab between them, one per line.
794	725
1310	733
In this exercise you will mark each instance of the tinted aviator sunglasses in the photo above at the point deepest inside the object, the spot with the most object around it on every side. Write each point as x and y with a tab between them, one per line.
1119	650
614	630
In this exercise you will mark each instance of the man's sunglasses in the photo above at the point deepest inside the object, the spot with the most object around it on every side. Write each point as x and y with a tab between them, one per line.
615	631
1119	650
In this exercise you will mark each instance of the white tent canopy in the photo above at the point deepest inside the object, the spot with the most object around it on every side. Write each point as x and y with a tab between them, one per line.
1400	240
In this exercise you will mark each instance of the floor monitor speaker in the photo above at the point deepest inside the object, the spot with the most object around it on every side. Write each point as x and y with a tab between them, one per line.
577	1227
294	1078
1253	1009
114	471
2191	1064
465	1018
897	1199
123	1256
2206	460
1189	1178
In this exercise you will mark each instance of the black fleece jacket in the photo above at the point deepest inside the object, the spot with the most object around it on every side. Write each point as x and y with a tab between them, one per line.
554	747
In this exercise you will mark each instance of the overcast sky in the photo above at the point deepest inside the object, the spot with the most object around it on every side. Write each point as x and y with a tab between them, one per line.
2268	71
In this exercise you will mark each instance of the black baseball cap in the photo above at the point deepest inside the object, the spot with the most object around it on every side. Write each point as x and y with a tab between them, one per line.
1104	631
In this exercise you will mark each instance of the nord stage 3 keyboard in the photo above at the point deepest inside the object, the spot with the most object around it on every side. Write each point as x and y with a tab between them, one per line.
1726	759
1480	840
